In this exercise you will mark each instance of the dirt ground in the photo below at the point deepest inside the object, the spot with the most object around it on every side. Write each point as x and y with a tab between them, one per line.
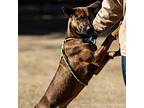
38	61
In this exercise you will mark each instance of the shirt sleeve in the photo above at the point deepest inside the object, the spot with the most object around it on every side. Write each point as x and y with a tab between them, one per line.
110	13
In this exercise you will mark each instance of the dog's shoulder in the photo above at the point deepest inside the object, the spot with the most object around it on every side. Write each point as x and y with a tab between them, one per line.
79	49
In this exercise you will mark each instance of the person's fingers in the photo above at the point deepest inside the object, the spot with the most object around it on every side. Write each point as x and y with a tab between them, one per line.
113	54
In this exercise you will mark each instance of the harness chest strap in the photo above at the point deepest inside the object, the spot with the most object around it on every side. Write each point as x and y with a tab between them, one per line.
69	66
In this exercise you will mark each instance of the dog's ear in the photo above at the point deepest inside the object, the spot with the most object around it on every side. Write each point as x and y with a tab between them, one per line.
68	11
94	7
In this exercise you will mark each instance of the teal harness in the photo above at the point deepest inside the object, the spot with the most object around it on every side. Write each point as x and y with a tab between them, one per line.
90	40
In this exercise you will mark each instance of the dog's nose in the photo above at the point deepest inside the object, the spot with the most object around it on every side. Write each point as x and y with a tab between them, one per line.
89	30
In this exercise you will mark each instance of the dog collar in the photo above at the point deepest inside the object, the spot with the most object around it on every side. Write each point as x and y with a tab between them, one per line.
92	39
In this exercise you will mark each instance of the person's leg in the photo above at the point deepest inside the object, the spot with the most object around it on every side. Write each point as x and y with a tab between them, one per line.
123	59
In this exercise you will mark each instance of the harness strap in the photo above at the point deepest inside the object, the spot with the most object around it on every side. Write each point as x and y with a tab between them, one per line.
69	66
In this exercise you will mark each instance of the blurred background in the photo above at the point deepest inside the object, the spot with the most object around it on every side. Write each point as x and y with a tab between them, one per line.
44	16
42	27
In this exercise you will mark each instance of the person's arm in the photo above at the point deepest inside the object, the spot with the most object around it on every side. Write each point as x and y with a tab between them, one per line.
110	13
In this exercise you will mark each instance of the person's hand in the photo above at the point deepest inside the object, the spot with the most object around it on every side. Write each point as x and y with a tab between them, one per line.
115	33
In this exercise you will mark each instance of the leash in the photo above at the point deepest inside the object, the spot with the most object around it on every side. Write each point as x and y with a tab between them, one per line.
65	58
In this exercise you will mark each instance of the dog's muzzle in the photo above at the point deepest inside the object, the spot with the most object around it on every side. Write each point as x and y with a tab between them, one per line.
89	31
90	35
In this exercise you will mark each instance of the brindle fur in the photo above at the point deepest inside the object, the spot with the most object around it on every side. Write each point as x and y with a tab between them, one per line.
84	57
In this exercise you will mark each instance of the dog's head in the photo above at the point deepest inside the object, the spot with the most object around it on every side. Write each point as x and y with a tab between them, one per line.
80	19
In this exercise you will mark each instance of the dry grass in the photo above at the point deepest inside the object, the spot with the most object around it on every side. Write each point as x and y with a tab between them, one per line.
38	61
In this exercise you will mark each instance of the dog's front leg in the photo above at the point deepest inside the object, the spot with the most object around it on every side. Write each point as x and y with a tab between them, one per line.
102	56
106	58
102	51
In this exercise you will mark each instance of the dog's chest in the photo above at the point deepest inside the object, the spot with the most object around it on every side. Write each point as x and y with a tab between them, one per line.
78	51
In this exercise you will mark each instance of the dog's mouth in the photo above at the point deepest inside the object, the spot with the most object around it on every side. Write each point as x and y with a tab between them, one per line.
83	33
89	31
86	33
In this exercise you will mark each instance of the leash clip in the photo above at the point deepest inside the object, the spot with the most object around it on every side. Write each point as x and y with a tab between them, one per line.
92	39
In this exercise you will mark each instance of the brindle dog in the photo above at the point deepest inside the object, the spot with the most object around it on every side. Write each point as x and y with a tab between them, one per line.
80	60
